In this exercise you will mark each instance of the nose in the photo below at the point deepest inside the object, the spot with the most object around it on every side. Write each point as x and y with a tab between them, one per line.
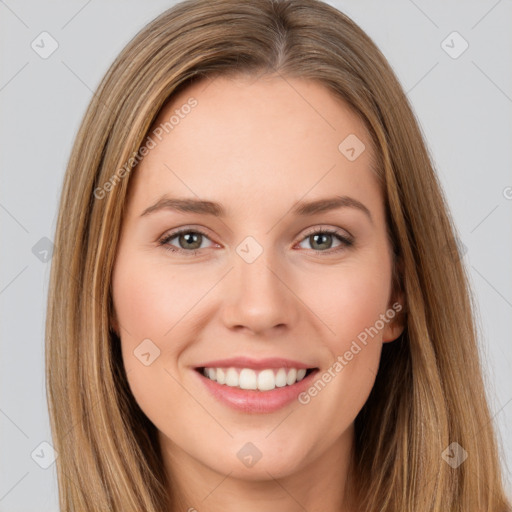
257	297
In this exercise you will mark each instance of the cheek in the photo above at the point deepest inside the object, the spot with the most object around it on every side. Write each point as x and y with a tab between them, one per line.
148	299
154	301
148	302
351	301
145	307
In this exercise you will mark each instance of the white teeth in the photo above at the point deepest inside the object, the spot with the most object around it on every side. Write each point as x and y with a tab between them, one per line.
292	376
221	376
281	378
247	378
266	380
232	377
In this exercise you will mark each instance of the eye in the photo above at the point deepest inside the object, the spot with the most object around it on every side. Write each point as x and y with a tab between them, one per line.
190	241
321	239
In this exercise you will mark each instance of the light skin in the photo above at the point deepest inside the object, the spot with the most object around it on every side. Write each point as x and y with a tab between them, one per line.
256	146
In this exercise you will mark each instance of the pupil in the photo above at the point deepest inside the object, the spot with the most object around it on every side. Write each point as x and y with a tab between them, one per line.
323	236
189	239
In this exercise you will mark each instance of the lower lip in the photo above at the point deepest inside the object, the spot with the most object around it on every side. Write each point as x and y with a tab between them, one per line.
254	401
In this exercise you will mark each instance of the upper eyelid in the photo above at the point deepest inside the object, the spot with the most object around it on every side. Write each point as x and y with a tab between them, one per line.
179	231
325	228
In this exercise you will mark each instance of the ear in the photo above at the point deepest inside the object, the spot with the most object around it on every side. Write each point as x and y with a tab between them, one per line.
396	324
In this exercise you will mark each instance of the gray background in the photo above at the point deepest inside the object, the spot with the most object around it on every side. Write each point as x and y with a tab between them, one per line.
464	105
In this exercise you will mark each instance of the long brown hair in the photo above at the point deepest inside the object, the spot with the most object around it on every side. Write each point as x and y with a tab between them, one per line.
429	391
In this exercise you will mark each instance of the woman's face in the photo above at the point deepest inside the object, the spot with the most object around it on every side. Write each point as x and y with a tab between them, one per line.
283	267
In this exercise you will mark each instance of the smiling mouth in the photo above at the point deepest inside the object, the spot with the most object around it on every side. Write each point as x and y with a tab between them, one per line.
266	379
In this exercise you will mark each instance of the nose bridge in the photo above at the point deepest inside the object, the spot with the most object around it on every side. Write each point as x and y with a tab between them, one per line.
256	296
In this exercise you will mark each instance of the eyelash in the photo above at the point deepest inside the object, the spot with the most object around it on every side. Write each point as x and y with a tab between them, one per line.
345	241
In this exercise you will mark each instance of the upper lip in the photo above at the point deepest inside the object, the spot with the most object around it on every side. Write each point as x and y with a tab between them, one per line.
255	364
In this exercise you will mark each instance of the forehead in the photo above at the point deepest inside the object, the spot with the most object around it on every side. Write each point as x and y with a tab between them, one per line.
267	137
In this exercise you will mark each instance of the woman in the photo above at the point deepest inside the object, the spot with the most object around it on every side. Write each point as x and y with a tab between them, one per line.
314	347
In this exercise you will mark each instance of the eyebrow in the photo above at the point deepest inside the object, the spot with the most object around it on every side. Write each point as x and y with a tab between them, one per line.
302	208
